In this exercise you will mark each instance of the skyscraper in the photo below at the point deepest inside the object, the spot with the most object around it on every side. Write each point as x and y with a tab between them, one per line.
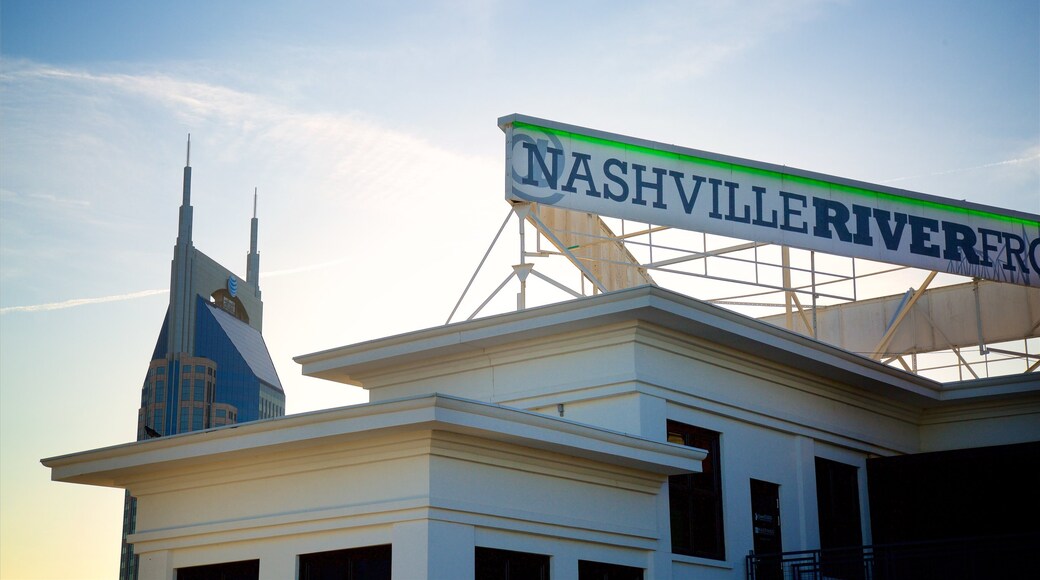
210	366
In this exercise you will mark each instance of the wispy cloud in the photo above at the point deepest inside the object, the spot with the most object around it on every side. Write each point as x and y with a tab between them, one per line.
318	166
80	302
723	31
146	293
300	269
1016	161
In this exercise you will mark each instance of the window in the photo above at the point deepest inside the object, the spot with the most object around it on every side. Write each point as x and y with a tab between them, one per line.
245	570
200	390
696	499
837	500
493	564
186	369
199	369
369	563
221	413
196	420
588	570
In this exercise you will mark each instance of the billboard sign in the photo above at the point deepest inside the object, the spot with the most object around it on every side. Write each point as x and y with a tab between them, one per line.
623	177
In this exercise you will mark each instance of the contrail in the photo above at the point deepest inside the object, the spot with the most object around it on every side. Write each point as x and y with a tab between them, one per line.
80	302
299	269
948	172
143	293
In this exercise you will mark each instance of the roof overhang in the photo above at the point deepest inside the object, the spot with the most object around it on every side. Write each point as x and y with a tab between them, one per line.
118	465
352	364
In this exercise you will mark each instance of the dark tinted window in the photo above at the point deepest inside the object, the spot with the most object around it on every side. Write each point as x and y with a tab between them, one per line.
368	563
695	499
495	564
244	570
588	570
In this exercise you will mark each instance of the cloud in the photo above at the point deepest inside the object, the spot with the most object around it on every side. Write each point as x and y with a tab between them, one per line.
690	40
299	269
81	302
146	293
322	168
1026	158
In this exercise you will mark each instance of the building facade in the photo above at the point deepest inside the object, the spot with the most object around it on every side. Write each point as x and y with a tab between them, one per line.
210	366
634	434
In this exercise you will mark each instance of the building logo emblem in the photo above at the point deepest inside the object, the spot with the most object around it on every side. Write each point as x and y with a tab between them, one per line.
232	286
531	183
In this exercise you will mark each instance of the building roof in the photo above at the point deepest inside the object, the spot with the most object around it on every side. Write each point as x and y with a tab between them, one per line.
250	344
352	364
119	465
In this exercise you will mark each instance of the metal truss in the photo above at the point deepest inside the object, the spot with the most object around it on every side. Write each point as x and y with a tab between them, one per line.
945	326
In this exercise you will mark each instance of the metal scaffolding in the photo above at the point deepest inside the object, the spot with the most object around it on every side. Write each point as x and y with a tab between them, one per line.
944	326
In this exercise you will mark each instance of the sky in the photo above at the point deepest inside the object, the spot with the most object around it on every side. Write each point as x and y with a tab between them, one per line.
369	130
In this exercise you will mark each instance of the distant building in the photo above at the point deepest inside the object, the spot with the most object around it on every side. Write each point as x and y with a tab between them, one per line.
210	366
637	434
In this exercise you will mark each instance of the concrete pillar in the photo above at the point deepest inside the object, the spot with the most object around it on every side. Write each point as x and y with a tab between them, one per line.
433	550
564	565
278	565
155	566
805	474
661	558
653	413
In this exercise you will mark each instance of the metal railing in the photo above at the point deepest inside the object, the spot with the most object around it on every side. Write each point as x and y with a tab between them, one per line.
995	557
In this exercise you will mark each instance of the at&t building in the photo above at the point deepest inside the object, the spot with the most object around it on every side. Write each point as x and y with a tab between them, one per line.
210	366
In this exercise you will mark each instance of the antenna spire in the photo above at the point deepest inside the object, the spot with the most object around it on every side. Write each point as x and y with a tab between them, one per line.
253	259
187	162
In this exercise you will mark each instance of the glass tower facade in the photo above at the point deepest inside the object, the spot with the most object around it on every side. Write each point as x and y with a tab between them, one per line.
210	366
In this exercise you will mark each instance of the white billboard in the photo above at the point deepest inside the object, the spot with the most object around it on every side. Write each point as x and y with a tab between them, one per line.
623	177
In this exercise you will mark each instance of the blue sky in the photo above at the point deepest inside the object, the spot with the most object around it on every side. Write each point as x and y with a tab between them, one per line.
370	131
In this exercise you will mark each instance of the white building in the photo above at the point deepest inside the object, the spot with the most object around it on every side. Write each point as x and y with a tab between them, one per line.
551	443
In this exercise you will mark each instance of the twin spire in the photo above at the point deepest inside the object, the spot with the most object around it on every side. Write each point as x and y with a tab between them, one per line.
184	227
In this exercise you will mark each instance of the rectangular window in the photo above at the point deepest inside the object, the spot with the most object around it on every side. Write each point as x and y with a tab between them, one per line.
695	499
186	369
493	564
588	570
245	570
200	391
185	391
199	369
196	419
369	563
221	413
837	500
